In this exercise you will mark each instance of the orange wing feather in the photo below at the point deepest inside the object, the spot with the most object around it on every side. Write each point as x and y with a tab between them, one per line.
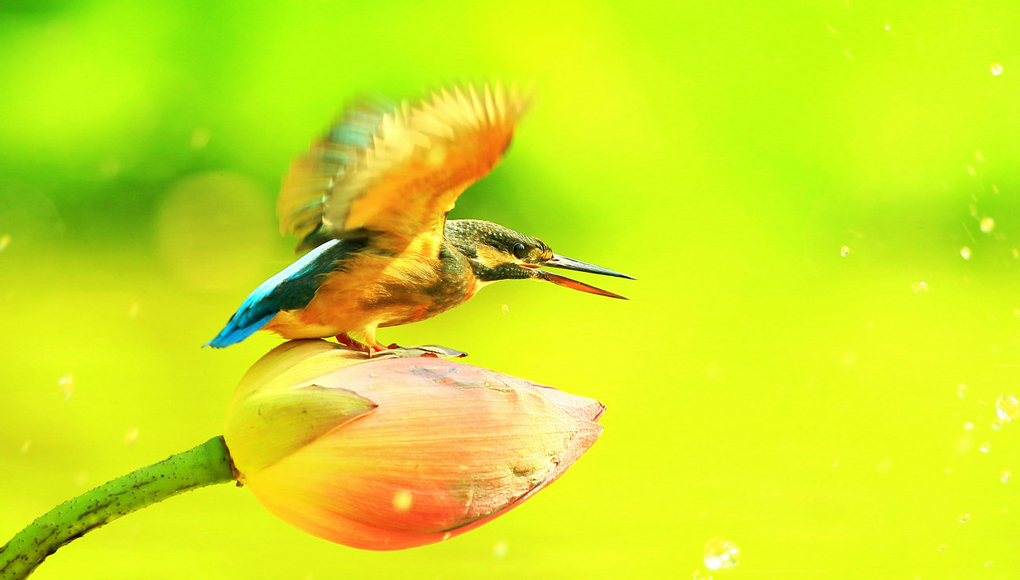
397	171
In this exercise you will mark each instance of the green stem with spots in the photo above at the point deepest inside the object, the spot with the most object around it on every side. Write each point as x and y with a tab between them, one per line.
207	464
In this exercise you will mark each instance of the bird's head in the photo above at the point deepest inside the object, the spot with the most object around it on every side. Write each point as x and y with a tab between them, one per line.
499	253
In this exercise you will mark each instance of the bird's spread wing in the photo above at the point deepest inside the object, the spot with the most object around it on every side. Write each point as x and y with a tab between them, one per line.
395	171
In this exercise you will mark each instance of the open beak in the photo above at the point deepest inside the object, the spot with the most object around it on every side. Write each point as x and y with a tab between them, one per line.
558	261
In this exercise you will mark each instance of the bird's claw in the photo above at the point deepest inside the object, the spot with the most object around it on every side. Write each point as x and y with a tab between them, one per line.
395	350
352	344
424	351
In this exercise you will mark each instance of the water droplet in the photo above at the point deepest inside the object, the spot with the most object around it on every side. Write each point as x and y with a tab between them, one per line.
985	447
506	309
700	574
130	436
849	358
499	550
887	27
446	536
1007	408
5	240
942	547
919	287
25	446
66	384
373	375
968	426
971	171
1004	476
721	554
965	253
964	518
402	500
996	69
961	391
987	225
844	251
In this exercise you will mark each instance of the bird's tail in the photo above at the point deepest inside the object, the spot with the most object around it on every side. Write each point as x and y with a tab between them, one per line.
241	325
292	288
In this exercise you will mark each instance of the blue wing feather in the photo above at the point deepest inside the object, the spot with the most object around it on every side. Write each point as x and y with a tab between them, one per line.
290	289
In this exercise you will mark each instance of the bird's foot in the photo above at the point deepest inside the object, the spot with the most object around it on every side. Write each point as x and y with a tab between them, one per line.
367	348
353	344
376	348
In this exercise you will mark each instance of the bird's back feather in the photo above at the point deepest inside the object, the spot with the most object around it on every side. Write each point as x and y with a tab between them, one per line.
292	288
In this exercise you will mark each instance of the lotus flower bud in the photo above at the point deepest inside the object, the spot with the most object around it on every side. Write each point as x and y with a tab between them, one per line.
399	450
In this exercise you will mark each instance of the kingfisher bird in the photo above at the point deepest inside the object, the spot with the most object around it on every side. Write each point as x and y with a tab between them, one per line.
370	201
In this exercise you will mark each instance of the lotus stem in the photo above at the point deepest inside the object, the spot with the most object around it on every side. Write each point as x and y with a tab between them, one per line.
207	464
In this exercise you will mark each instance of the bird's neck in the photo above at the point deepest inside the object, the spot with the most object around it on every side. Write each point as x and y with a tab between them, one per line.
454	263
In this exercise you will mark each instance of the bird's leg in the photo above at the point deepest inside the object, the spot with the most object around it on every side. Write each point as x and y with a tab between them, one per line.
349	342
370	346
373	344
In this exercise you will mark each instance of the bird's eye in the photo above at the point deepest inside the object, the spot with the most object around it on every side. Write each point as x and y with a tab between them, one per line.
520	251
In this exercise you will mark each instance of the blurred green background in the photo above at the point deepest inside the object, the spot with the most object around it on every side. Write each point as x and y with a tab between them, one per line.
834	416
